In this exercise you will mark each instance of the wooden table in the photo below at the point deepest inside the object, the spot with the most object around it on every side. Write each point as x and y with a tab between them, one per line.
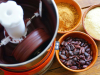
57	69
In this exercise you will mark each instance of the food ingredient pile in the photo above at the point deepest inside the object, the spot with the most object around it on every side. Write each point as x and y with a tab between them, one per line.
75	53
92	22
68	16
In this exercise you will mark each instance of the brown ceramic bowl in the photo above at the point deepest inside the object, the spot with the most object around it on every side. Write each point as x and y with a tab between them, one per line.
82	35
75	4
83	19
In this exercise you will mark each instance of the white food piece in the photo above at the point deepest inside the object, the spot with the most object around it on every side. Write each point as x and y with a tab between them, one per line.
11	17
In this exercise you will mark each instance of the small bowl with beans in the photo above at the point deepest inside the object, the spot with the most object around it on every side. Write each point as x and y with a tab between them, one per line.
77	51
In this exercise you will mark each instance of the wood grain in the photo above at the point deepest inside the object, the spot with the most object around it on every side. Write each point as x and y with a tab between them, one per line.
87	3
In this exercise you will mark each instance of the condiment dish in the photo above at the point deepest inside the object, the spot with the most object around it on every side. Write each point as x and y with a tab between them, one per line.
86	37
75	4
83	19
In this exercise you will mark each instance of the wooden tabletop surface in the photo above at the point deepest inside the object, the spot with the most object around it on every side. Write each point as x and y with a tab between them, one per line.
57	69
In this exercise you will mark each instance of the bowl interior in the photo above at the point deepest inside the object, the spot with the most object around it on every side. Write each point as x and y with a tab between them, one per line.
72	2
83	19
88	39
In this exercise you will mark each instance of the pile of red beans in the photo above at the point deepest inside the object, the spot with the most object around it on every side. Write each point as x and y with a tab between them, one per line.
75	53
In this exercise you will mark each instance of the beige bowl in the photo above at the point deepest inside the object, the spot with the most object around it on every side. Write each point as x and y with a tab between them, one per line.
83	19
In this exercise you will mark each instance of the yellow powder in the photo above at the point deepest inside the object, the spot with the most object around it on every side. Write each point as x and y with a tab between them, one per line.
68	16
92	22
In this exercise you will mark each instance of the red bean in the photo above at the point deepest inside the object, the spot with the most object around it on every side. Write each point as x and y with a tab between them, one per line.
67	53
88	49
70	40
82	44
82	57
75	59
65	62
82	50
75	53
84	66
62	60
82	62
79	43
63	57
69	62
87	63
72	47
89	58
75	42
63	52
71	53
63	43
73	67
74	63
86	54
70	57
77	46
68	47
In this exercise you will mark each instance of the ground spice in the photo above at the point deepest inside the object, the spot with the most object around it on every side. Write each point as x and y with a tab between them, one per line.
92	22
68	16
